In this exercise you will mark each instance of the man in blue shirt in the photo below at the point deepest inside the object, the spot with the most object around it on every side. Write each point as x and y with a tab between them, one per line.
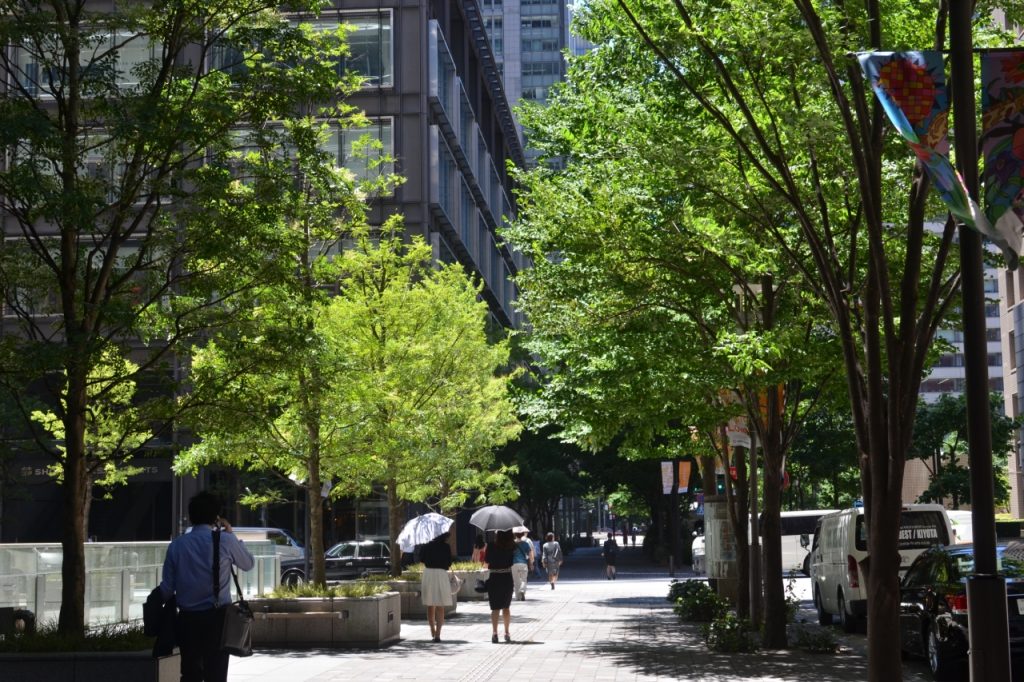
188	575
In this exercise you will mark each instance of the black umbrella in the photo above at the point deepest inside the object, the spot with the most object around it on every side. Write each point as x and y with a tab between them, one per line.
495	517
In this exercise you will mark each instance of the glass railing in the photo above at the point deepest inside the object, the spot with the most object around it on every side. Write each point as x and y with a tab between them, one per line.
118	577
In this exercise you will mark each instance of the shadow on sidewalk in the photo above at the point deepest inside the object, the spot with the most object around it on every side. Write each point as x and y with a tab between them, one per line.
659	645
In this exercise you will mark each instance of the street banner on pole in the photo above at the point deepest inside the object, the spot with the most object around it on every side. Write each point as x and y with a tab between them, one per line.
911	87
1002	141
666	477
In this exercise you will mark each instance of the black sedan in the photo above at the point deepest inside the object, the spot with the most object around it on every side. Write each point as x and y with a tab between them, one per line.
345	561
933	606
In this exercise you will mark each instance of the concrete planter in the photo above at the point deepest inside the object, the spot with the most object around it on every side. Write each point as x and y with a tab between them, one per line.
340	622
468	592
90	666
412	603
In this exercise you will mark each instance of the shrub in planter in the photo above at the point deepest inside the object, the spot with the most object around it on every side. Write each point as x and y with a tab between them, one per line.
816	640
112	652
730	634
46	639
698	602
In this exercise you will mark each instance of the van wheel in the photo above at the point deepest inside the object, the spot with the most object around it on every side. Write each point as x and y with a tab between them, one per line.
824	617
846	620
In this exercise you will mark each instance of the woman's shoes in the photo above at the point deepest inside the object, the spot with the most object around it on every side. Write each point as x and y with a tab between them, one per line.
437	638
552	586
507	638
494	639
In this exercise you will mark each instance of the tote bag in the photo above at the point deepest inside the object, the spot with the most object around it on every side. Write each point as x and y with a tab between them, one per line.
236	635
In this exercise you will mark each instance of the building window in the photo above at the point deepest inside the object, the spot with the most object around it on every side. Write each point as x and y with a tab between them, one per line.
540	45
369	41
540	21
40	68
1013	350
357	149
540	69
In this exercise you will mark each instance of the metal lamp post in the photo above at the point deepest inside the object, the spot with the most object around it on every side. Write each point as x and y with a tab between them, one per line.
986	590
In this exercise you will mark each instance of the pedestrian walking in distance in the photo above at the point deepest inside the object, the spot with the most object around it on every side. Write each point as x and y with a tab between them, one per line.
499	584
435	589
522	562
610	552
551	558
188	576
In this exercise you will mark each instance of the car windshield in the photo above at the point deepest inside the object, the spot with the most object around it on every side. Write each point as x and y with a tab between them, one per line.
1009	562
345	550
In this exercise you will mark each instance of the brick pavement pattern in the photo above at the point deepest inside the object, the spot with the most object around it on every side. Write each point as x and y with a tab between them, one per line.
588	629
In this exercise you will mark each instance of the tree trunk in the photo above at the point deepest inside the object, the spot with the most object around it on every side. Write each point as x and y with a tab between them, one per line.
395	509
76	479
774	636
314	502
881	572
741	527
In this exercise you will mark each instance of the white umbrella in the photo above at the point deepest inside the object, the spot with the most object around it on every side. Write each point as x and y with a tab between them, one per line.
495	517
422	530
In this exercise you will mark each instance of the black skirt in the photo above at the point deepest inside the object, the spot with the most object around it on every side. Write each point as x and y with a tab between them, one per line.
499	591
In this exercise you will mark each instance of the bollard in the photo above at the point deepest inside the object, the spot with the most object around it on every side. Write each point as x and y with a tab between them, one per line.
672	566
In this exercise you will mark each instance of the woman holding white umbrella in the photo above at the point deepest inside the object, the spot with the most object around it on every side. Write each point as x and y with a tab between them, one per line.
430	533
436	590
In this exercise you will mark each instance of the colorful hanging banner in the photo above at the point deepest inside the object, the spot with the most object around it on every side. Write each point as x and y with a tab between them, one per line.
666	477
911	86
1002	142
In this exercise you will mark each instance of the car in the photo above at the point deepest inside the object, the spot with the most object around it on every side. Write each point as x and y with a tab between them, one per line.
933	606
697	549
839	556
285	546
344	561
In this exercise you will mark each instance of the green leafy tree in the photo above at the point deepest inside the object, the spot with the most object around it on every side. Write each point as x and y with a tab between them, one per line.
129	226
114	431
268	390
548	471
650	296
430	392
940	440
823	462
784	121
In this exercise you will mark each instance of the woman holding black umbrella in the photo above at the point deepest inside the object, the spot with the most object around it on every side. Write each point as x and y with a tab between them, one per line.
499	584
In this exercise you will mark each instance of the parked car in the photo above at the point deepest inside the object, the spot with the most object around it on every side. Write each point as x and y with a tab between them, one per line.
345	561
840	548
933	606
285	546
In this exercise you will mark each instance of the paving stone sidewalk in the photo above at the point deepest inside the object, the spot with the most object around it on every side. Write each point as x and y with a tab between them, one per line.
588	629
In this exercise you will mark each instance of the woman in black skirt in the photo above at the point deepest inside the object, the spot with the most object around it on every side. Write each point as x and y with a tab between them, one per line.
499	584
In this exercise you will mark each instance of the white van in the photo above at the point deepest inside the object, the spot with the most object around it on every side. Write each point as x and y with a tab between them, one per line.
840	546
796	528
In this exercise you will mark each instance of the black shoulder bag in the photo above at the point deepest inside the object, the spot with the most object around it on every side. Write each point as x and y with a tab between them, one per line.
236	636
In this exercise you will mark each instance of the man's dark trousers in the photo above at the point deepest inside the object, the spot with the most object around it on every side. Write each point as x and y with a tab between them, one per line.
199	634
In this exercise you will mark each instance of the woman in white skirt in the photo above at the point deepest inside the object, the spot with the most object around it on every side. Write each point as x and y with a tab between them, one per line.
436	590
